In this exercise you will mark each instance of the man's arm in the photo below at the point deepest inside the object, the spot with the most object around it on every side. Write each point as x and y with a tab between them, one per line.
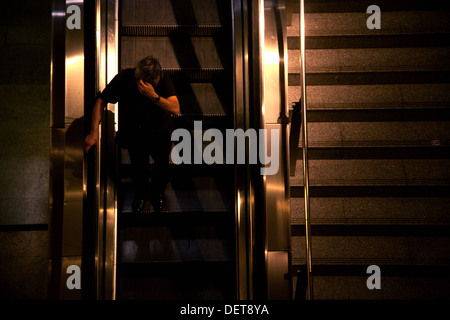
97	112
169	104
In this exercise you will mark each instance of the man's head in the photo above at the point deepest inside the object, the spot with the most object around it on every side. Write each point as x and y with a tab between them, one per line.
149	70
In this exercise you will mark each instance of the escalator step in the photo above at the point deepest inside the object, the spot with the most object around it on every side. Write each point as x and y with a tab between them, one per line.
201	194
166	281
169	30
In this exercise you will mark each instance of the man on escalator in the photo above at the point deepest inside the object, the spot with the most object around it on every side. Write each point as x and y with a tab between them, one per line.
146	99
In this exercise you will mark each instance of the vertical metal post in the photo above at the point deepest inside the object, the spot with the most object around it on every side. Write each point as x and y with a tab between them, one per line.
67	132
309	290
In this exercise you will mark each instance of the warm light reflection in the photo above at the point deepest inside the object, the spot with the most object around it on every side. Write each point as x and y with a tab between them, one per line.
239	207
74	60
275	187
302	25
261	32
271	57
58	14
111	68
239	199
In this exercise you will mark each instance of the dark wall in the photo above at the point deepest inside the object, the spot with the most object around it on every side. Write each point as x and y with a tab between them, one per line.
25	44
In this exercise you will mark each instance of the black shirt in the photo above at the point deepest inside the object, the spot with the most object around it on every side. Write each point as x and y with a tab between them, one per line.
137	113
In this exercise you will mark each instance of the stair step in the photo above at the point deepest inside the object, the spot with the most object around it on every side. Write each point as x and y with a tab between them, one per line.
324	6
370	41
411	172
349	115
378	250
371	60
369	152
378	134
373	210
361	78
407	191
382	260
354	23
393	288
388	228
382	96
356	270
350	226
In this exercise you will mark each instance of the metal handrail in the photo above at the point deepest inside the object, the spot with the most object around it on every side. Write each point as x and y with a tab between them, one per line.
309	291
294	136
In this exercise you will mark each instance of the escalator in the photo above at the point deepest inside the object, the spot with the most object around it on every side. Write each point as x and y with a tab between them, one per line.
225	230
187	249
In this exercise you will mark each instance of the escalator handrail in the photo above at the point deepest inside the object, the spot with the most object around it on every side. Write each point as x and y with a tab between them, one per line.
309	293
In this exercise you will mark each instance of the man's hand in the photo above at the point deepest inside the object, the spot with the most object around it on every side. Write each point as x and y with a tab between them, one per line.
90	140
169	104
147	90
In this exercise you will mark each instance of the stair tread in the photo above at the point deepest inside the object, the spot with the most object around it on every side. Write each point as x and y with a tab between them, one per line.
366	172
324	6
373	210
387	144
422	285
371	60
378	249
371	261
354	23
371	41
372	182
371	78
394	133
367	221
381	96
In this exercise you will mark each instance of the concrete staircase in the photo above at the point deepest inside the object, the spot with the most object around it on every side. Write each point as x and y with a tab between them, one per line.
379	145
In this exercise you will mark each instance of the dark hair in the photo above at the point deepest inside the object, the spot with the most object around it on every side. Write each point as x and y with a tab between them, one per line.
148	69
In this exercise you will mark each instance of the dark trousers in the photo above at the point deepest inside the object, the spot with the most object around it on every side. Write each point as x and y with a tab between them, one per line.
159	147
